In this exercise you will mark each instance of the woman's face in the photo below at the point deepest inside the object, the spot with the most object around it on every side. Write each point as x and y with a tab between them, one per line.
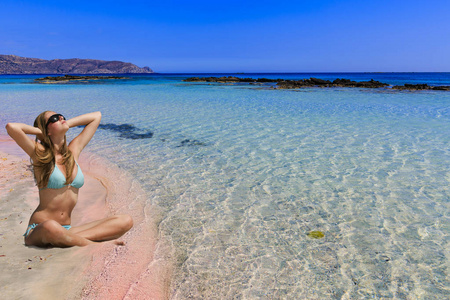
57	127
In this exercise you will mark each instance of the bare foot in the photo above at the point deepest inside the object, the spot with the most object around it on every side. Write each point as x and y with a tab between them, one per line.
119	243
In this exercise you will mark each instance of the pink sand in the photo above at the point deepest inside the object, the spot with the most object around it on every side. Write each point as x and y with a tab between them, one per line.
139	270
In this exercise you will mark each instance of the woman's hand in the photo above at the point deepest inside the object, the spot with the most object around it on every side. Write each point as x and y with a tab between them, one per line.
40	135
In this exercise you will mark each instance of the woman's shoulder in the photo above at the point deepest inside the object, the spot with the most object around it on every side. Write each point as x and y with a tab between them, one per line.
75	151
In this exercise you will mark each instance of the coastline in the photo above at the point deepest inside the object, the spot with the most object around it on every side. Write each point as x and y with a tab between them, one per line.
138	269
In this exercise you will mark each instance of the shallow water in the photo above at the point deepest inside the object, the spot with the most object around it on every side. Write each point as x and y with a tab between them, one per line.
241	175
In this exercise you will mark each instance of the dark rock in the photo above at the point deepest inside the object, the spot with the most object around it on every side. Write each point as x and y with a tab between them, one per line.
441	88
118	128
316	82
292	84
138	136
262	80
223	79
190	143
342	81
67	78
12	64
419	87
372	84
412	87
127	131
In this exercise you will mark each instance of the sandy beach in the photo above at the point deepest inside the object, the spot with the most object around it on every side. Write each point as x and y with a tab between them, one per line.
101	271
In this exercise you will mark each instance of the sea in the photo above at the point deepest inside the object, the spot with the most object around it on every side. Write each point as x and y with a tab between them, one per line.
312	193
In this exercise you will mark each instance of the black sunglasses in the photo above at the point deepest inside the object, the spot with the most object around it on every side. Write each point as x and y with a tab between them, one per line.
54	118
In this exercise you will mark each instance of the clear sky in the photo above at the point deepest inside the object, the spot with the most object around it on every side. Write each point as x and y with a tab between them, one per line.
235	36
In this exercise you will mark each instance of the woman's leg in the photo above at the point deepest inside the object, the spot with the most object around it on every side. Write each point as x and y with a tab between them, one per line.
51	233
106	229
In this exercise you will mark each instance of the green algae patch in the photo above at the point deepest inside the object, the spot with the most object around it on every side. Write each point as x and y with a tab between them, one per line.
316	234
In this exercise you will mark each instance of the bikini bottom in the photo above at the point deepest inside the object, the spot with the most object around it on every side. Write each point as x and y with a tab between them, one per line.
32	226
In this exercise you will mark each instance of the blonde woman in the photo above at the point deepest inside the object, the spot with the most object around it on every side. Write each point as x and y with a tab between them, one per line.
59	178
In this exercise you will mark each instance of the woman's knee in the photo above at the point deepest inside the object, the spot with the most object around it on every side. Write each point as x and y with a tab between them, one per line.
53	228
46	232
126	222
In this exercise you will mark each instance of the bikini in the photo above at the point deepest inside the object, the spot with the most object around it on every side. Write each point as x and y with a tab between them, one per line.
57	180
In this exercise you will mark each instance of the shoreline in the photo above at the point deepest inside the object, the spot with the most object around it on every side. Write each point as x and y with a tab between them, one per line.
141	268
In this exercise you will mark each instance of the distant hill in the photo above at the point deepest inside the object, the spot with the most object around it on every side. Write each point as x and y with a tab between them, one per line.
12	64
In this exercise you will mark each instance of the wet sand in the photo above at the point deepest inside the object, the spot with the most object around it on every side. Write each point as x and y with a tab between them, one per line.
139	270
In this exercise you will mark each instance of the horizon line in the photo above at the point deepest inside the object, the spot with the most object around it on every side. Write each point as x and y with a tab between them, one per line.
243	73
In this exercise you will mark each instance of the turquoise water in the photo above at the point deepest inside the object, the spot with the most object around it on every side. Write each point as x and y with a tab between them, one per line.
241	175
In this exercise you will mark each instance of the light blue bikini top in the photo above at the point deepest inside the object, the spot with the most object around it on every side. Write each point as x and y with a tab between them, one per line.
57	179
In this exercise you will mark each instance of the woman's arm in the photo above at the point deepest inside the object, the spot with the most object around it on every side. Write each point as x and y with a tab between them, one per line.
91	121
19	131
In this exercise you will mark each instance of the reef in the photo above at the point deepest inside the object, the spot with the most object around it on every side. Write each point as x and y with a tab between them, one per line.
315	82
292	84
190	143
127	131
418	87
229	79
67	78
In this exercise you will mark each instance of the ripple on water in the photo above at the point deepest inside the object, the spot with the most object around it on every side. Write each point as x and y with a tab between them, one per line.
263	168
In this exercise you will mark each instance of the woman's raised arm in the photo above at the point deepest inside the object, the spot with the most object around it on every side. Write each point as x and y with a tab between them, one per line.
19	131
91	121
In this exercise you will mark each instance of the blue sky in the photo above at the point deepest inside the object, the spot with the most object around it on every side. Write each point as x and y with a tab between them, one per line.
235	36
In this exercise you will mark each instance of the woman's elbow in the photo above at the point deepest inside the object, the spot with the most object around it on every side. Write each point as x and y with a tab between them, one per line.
9	128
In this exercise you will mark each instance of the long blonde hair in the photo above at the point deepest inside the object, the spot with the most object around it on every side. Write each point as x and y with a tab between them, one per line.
45	159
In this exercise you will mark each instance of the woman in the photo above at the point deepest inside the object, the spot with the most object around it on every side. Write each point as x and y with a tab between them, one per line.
59	177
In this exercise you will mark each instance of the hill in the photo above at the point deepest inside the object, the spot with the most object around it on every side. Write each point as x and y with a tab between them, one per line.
12	64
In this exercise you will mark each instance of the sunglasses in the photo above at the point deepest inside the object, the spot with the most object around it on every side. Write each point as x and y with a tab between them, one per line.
54	118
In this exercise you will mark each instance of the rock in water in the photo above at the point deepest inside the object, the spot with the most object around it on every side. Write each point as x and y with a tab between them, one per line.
316	234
